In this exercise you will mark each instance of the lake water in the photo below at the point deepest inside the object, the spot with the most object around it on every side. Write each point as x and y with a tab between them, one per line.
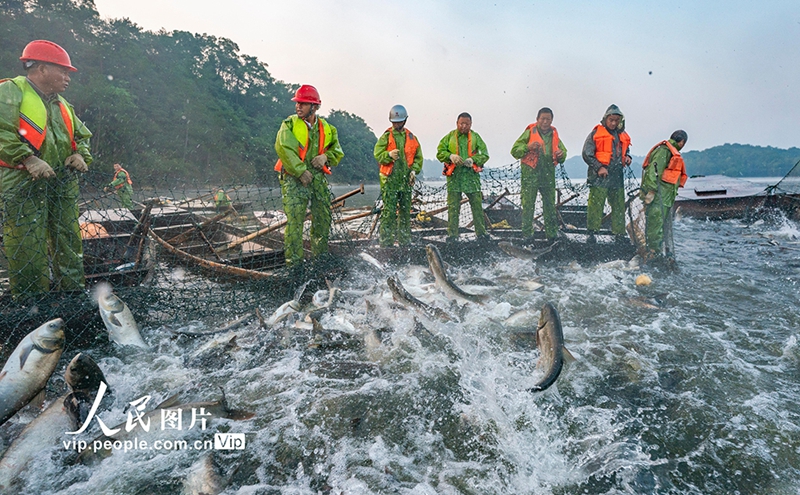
688	386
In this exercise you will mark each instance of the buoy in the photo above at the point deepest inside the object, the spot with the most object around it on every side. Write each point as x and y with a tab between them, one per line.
643	280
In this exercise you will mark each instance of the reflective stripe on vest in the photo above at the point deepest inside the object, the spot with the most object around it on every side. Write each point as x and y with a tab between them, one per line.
452	146
33	118
409	150
675	171
300	131
604	144
127	178
532	158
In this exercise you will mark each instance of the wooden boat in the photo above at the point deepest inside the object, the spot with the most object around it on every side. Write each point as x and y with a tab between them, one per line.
224	249
719	197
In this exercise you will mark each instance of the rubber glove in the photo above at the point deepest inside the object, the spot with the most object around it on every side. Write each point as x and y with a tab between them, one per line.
38	168
455	159
534	146
75	162
412	177
319	161
394	154
468	162
306	178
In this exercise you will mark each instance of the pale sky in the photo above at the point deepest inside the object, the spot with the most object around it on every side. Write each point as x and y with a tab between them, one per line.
725	71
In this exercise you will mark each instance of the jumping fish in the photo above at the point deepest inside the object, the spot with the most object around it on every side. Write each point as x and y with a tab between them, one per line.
323	300
401	295
444	282
372	261
83	373
524	253
117	316
65	414
27	370
550	341
288	308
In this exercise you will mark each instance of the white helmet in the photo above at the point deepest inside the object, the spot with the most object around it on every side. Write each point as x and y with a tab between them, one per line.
398	113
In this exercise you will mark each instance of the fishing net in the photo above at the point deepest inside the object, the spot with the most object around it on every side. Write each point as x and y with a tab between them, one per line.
199	252
785	195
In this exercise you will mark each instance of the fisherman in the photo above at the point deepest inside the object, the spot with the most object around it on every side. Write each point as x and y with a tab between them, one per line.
123	184
397	146
463	153
42	146
607	152
302	174
539	151
664	172
221	200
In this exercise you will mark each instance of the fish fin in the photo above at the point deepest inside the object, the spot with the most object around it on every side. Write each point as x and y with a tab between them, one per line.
112	318
169	402
38	400
23	356
3	374
261	321
299	292
568	357
317	326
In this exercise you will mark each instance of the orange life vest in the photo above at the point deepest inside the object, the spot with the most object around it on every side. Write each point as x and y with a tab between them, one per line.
604	144
531	158
127	177
302	149
410	150
33	119
676	168
453	147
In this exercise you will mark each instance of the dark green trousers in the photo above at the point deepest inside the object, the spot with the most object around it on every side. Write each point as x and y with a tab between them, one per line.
454	211
594	209
395	217
296	199
41	232
535	181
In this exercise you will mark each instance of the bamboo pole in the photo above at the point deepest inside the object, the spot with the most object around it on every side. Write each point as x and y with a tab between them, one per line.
355	217
444	208
185	235
211	265
280	224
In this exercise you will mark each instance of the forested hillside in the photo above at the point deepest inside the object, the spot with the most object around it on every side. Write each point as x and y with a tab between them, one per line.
734	160
171	105
742	160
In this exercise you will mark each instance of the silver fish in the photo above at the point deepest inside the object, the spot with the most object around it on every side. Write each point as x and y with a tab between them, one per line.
550	341
401	295
443	281
27	370
524	253
288	308
203	478
121	325
64	414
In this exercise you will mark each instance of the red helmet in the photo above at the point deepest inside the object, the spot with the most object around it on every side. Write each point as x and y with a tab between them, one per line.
47	51
307	94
